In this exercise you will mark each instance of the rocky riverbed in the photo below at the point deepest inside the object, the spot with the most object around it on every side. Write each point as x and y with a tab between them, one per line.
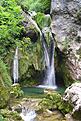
41	115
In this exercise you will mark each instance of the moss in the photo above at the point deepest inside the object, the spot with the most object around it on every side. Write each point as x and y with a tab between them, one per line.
30	63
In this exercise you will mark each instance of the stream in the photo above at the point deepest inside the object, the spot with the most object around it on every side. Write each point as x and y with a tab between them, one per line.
31	112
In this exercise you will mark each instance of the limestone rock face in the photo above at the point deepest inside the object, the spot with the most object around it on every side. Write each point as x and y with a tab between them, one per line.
66	25
73	95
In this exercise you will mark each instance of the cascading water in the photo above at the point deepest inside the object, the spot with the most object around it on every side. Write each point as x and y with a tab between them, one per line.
49	79
28	115
15	66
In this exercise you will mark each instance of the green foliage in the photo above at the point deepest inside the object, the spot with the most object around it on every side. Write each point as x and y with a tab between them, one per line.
16	91
36	5
10	116
5	79
54	101
30	62
10	25
4	96
43	20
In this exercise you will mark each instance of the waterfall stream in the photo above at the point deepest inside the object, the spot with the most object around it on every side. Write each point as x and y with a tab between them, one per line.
49	78
28	115
15	66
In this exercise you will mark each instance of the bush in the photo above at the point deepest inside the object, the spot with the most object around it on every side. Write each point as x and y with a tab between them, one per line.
10	25
5	79
54	101
16	91
36	5
10	116
4	96
42	20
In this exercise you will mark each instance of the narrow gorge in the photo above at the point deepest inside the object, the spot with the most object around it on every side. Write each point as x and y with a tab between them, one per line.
40	60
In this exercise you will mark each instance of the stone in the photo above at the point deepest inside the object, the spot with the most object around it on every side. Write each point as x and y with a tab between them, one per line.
73	95
17	108
69	117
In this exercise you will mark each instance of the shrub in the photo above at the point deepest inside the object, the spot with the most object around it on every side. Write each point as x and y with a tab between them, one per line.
36	5
43	20
10	116
54	101
10	25
16	91
5	79
4	96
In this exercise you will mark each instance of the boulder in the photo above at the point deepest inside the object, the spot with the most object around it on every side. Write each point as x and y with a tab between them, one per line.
73	95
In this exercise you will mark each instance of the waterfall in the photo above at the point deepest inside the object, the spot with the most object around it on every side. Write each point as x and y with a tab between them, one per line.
49	79
15	66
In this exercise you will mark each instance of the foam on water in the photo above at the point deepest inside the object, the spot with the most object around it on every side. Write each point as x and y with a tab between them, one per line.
28	116
47	87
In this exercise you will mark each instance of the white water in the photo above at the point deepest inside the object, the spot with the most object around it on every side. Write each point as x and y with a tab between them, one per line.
49	79
15	66
28	115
